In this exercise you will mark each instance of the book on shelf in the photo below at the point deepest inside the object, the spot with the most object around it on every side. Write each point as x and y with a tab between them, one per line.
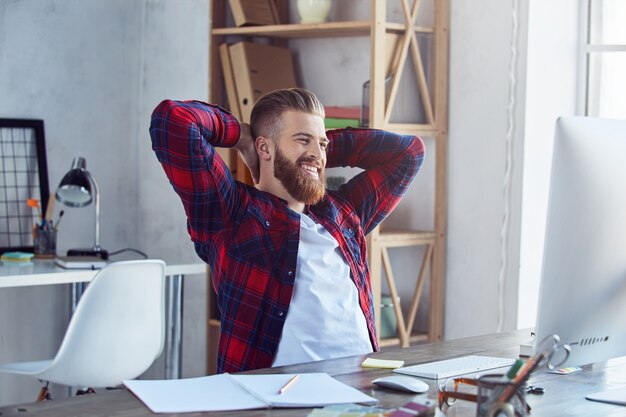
224	392
343	112
338	123
258	69
229	80
254	12
80	262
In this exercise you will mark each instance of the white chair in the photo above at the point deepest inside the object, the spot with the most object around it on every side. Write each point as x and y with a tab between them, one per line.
115	333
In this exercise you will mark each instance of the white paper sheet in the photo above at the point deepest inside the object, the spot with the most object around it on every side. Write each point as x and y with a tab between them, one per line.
243	392
209	393
311	390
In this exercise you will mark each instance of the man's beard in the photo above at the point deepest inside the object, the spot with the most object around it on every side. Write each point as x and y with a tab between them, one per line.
298	184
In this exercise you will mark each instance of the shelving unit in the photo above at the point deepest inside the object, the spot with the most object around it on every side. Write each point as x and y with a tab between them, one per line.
383	64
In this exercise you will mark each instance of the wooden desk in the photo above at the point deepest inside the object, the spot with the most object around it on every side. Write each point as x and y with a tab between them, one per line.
45	272
564	395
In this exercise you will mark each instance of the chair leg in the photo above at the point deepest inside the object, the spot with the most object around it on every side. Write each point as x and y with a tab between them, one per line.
44	394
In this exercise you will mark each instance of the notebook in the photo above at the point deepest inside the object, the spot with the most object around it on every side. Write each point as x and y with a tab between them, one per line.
454	367
80	262
226	392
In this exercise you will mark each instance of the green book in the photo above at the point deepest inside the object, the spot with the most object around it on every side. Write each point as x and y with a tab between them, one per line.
337	123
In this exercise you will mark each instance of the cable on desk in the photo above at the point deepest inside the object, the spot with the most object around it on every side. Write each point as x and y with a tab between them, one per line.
128	250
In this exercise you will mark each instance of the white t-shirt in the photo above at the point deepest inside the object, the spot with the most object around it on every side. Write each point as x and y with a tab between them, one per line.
324	319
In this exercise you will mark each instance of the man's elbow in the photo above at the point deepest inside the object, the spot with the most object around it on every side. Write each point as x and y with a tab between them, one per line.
417	151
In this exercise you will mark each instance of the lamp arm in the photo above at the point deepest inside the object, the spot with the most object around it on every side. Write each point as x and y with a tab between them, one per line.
96	197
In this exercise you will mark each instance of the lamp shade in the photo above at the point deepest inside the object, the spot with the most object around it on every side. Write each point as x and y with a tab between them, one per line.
79	188
75	189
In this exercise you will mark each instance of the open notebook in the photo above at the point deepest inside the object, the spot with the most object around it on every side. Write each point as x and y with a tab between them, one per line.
225	392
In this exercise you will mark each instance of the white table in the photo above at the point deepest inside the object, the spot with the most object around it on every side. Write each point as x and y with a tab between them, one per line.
45	272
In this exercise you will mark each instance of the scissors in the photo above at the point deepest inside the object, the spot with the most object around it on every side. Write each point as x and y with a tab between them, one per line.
551	352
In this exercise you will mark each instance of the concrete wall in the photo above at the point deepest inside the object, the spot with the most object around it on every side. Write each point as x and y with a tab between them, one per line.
483	213
94	70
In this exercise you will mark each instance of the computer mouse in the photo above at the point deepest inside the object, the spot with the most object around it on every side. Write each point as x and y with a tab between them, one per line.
402	383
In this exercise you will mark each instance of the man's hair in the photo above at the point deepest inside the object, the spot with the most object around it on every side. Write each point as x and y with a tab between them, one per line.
265	119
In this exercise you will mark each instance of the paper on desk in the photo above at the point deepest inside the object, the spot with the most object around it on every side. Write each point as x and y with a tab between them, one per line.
311	390
382	363
243	392
209	393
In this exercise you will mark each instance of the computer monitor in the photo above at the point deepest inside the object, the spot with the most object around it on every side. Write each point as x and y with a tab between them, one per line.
583	284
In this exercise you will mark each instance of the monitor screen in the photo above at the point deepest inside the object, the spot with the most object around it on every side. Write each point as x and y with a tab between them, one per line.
583	283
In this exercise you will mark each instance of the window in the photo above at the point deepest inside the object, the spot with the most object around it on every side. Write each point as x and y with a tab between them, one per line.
605	59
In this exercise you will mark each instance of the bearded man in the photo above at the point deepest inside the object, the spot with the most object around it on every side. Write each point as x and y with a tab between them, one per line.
288	257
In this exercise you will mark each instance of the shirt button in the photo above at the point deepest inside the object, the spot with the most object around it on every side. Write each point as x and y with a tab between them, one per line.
281	313
267	223
290	273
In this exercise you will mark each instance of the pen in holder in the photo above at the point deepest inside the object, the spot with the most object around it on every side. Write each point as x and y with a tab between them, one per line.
490	401
45	241
504	395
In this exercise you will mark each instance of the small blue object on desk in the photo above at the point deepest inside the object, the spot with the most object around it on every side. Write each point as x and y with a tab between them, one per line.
17	258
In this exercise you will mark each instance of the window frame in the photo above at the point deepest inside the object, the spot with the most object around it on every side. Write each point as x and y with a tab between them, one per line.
587	48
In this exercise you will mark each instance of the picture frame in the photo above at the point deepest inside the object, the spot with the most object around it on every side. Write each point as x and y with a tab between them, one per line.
23	176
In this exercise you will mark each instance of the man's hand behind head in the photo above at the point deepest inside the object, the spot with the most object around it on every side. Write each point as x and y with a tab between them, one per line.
245	147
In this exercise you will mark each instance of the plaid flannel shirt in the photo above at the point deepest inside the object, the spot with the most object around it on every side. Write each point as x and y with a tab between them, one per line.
250	238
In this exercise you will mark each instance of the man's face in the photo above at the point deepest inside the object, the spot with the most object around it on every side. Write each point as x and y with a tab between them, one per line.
300	158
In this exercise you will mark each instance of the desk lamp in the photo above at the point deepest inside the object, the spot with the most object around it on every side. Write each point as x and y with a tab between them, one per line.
79	188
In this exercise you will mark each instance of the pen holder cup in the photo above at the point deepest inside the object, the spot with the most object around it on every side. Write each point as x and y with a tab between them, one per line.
498	397
45	242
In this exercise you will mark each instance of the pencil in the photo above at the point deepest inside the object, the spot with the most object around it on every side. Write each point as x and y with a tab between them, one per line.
289	384
50	208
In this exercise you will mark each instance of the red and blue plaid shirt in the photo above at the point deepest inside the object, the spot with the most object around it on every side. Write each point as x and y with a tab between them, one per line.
250	237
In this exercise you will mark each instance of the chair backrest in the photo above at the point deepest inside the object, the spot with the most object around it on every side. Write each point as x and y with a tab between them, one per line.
117	329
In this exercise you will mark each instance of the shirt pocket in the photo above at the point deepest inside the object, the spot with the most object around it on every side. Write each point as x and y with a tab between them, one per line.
257	240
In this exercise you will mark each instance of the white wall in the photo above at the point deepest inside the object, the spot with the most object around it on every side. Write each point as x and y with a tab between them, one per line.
480	59
93	70
552	91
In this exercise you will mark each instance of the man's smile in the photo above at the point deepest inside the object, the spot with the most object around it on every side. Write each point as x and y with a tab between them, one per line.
311	170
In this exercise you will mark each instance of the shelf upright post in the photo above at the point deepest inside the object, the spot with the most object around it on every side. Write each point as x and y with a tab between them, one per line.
437	287
377	111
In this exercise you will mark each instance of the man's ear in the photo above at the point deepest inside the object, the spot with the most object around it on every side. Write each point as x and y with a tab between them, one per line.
263	148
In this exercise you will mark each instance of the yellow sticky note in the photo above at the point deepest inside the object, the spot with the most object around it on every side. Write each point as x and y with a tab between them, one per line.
381	363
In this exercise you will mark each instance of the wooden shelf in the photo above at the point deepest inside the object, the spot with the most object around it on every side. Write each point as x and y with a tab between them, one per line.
395	341
399	238
412	129
387	60
314	30
386	239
